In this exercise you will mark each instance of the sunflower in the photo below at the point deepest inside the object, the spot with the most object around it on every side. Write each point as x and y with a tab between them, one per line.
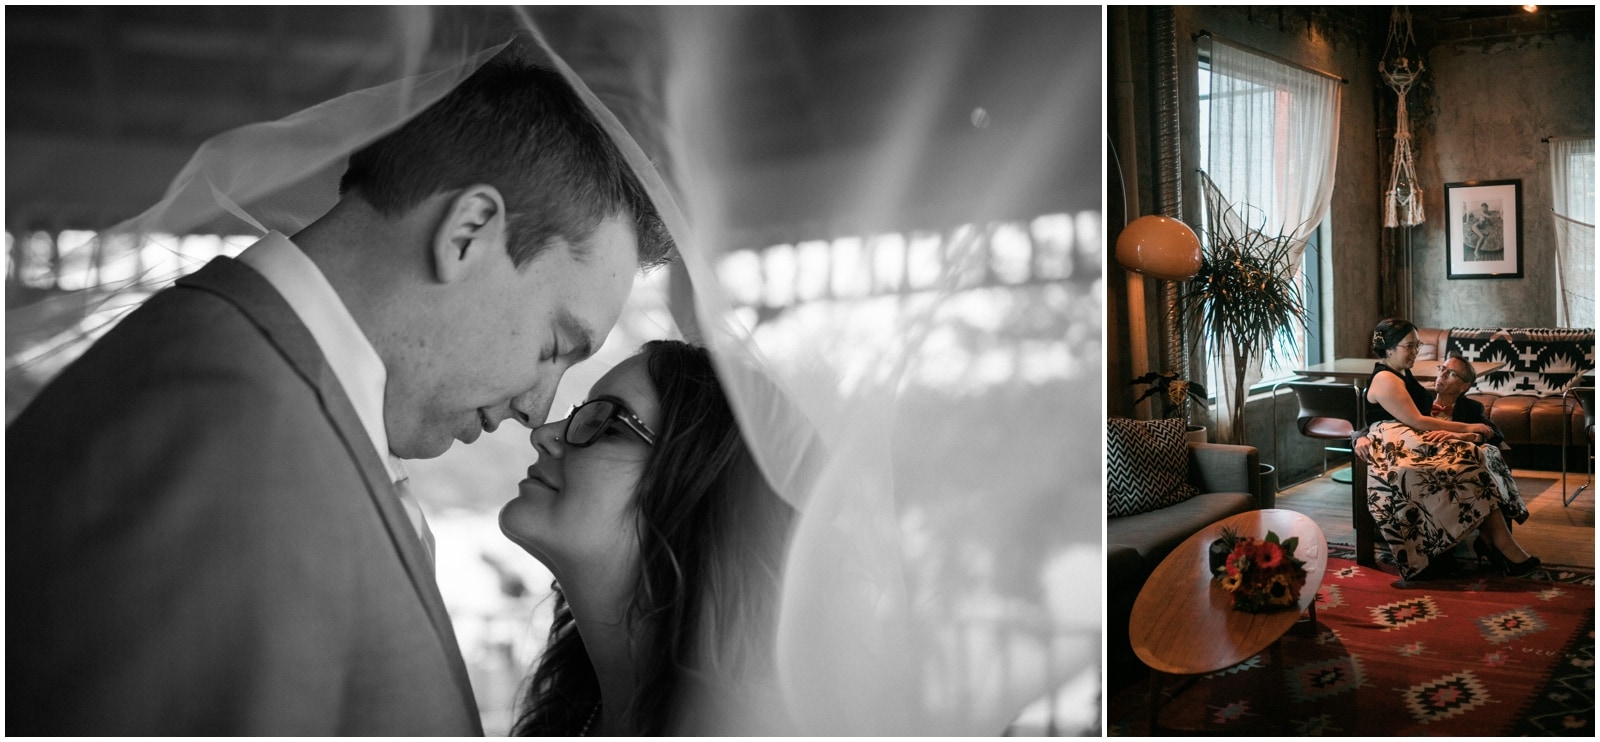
1231	581
1280	591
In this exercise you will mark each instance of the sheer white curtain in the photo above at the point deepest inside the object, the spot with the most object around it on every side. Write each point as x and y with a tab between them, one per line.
1572	196
1271	150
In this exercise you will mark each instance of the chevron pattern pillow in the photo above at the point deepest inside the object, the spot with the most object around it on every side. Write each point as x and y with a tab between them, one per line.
1147	465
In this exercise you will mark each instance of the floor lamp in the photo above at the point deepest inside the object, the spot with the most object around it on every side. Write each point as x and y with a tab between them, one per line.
1164	248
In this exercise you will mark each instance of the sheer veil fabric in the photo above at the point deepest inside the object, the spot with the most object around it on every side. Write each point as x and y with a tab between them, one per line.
940	438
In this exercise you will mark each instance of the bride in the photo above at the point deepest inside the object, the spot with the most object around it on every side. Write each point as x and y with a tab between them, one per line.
666	543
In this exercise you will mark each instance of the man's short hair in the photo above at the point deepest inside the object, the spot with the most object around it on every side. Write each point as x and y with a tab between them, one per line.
521	128
1471	376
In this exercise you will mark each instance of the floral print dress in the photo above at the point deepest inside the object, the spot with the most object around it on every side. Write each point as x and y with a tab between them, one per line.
1426	497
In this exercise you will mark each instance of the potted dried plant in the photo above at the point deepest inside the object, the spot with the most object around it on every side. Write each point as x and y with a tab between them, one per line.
1245	300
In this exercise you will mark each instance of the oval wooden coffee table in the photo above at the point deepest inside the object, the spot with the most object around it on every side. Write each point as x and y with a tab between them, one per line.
1183	623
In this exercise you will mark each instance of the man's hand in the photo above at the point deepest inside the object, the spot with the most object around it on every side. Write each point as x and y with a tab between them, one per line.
1438	436
1363	448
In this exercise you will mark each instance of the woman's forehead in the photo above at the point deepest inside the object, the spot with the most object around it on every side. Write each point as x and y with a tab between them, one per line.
630	382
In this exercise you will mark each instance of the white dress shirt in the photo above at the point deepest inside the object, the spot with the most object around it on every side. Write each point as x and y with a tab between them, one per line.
351	356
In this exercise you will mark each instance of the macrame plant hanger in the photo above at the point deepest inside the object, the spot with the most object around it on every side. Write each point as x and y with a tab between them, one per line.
1402	201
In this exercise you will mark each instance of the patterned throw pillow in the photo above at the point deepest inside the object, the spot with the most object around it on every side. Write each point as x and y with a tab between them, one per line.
1147	465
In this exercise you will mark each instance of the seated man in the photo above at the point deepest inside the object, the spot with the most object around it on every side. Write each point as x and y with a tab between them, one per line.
1450	401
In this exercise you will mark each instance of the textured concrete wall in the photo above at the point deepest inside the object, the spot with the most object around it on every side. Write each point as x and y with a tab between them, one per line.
1497	93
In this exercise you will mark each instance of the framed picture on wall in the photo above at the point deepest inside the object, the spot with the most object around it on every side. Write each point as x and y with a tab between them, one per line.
1484	218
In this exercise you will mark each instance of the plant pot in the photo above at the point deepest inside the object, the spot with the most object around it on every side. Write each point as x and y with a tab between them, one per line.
1196	434
1269	486
1219	556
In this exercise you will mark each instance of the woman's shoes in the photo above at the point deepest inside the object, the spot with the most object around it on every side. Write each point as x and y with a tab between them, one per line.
1486	551
1518	569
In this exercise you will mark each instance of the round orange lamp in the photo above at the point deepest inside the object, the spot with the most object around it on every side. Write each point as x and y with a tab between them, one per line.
1159	247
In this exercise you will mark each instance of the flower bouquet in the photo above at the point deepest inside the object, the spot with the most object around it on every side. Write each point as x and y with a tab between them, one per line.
1263	574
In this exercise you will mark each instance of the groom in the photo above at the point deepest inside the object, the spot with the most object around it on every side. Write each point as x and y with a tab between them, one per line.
209	531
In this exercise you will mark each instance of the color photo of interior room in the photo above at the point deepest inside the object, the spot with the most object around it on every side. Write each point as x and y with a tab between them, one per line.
1391	157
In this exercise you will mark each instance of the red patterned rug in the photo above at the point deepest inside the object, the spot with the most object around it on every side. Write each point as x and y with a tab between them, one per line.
1477	655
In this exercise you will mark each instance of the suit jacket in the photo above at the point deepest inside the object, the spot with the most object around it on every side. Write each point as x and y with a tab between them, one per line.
1468	410
201	540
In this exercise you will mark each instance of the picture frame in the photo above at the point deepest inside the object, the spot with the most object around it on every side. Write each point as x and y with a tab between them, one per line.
1483	220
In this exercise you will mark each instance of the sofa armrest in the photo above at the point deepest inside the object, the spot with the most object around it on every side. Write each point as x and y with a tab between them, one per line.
1217	467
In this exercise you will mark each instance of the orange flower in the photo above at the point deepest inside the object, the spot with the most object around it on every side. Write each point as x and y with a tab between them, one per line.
1269	555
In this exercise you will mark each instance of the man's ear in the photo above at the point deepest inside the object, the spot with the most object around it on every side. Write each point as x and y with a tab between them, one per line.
473	227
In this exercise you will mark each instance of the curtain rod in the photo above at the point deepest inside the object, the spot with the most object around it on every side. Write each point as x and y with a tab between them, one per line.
1215	38
1547	140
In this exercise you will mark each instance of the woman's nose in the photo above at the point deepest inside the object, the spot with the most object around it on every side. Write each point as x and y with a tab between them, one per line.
547	438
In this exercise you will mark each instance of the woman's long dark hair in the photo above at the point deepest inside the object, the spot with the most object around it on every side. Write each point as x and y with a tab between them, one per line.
712	535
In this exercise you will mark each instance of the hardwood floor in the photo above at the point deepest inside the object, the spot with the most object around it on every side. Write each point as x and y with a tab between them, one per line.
1558	535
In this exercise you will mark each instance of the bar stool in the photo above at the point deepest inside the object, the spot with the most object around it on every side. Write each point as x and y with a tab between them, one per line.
1327	412
1585	397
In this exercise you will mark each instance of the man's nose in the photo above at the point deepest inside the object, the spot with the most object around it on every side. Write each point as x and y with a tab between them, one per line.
531	407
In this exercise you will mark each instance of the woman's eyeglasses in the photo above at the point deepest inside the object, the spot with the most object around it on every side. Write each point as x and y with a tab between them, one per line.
592	419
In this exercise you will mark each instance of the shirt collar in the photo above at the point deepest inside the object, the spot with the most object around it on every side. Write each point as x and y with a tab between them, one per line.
354	361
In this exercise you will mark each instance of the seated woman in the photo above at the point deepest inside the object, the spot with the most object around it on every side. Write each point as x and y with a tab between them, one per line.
666	544
1430	483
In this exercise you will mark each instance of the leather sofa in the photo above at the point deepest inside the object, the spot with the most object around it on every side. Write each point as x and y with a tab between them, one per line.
1228	478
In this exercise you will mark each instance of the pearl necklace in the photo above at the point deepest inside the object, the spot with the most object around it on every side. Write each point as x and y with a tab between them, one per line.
595	714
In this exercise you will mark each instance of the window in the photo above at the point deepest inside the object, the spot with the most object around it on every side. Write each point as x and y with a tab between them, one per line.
73	286
1266	140
1572	189
1013	279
